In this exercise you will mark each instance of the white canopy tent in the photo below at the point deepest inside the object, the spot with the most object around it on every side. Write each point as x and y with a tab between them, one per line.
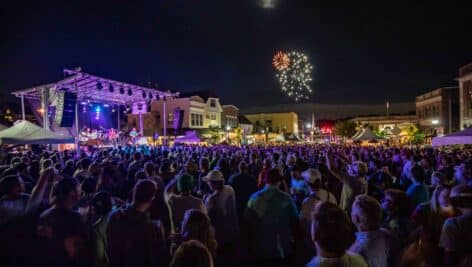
366	134
463	137
25	132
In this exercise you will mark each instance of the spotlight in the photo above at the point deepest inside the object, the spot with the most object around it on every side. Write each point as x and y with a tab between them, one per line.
83	103
110	88
99	85
144	94
122	90
106	105
130	92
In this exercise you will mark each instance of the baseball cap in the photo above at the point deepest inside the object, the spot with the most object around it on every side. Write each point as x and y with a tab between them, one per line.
215	176
311	175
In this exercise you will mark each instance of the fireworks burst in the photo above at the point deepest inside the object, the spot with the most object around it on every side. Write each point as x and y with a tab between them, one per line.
294	74
281	61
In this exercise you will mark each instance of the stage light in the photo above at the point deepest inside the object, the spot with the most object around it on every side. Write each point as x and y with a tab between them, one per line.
106	105
99	85
83	103
110	88
122	90
130	92
144	94
97	113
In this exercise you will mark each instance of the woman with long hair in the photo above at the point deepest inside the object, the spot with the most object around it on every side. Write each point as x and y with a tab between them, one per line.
196	226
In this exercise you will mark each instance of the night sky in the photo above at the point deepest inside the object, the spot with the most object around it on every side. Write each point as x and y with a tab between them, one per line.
364	54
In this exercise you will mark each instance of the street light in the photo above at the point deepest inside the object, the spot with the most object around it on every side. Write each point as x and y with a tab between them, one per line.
435	122
308	125
228	127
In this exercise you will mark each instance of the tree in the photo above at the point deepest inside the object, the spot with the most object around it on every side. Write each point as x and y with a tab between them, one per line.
414	135
239	134
345	128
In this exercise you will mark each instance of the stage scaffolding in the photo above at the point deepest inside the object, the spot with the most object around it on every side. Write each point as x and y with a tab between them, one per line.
91	88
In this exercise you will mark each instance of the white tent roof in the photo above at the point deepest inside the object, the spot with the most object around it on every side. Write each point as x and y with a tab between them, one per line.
366	135
458	138
25	132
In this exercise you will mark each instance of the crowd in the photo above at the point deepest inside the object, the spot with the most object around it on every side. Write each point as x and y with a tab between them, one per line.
297	205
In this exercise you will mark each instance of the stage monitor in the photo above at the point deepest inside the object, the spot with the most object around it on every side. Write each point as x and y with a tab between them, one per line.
65	109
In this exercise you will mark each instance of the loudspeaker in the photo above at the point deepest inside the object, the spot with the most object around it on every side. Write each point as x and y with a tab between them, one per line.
65	109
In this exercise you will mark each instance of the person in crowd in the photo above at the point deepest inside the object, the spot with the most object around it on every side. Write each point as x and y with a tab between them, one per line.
463	173
192	254
68	170
354	182
244	186
456	234
221	208
298	188
61	230
82	172
429	218
376	246
13	199
272	220
202	187
438	178
88	188
396	208
266	167
332	235
133	239
100	208
417	192
196	225
183	201
312	178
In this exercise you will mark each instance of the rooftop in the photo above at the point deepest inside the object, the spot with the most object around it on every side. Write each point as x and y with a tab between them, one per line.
204	94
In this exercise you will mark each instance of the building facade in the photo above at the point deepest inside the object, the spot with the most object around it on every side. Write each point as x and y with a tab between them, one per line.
230	116
283	122
438	111
189	111
385	123
465	96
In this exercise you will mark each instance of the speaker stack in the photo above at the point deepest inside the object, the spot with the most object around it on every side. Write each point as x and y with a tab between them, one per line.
65	109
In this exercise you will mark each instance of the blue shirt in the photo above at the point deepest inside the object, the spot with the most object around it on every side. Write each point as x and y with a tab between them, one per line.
271	214
418	193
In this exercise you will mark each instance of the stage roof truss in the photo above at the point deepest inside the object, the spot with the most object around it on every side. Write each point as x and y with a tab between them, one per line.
85	86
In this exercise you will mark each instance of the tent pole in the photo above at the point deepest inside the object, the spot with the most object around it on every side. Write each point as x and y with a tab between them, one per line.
23	115
165	122
44	107
77	141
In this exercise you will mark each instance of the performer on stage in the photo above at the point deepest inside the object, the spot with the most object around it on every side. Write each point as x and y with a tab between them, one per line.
134	134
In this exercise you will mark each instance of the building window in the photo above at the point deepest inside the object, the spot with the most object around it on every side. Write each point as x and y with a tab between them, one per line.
213	117
212	103
196	119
